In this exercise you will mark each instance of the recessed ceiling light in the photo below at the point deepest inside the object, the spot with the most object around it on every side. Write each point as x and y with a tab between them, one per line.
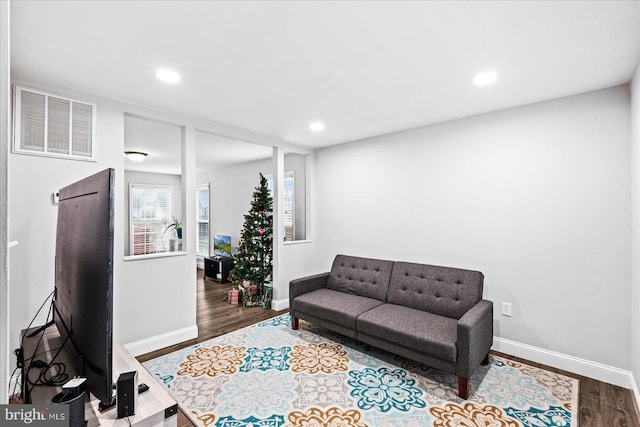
485	78
316	126
168	76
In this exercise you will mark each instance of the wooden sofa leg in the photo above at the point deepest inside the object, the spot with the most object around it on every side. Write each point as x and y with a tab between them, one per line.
485	361
463	388
294	323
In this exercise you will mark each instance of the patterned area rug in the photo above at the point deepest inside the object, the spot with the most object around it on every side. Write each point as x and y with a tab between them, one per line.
268	375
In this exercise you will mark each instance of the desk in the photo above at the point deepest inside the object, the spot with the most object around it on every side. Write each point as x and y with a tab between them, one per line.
156	407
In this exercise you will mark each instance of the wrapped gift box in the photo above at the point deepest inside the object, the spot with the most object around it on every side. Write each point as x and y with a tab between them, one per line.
233	296
252	290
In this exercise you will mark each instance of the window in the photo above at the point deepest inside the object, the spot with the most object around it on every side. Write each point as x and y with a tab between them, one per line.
52	125
288	201
150	214
202	199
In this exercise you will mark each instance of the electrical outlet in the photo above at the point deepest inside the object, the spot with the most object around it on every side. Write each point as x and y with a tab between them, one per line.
506	309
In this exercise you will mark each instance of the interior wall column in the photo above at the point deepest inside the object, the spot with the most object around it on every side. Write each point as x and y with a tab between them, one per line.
189	227
308	192
279	289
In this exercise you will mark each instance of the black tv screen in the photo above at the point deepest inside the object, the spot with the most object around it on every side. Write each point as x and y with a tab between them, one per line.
83	305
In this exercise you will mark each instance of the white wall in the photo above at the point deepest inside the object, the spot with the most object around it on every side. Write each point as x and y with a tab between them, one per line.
152	297
296	260
537	198
635	216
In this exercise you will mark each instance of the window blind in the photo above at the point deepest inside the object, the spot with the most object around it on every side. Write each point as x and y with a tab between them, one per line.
202	198
150	214
288	203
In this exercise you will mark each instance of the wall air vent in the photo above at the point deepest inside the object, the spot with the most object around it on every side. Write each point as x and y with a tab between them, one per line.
51	125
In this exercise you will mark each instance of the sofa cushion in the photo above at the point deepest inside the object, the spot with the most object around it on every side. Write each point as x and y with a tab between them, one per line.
445	291
415	329
338	307
360	276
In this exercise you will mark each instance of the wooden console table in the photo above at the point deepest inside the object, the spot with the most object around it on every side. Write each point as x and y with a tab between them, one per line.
156	407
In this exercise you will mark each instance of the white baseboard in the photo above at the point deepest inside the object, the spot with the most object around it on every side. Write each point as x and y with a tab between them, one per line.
157	342
587	368
280	304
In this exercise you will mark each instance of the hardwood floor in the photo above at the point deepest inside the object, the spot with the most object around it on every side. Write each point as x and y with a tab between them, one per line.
600	404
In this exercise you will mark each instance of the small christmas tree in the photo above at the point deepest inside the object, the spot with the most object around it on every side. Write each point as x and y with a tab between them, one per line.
253	262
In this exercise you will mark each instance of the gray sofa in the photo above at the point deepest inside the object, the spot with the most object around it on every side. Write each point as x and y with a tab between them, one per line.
429	314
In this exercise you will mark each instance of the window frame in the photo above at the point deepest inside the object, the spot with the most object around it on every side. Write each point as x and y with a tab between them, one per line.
132	223
199	221
288	175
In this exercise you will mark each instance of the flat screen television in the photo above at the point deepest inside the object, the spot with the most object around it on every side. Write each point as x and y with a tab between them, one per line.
222	245
83	303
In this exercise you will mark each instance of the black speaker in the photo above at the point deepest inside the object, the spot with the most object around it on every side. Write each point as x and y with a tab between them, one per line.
127	394
76	406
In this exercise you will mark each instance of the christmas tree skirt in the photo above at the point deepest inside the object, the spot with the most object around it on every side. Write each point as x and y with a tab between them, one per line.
270	375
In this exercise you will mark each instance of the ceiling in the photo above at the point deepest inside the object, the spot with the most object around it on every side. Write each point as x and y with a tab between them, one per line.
364	68
162	143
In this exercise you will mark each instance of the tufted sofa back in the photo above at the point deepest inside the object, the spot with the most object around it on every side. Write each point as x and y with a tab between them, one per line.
449	292
366	277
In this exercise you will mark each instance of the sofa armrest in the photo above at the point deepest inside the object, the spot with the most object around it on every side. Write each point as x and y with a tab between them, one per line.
475	337
305	285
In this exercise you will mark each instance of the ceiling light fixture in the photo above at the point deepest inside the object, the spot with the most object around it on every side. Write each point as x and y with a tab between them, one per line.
168	76
136	156
485	78
316	126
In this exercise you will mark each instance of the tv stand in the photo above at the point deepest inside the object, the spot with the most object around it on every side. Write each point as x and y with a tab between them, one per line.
155	407
217	268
